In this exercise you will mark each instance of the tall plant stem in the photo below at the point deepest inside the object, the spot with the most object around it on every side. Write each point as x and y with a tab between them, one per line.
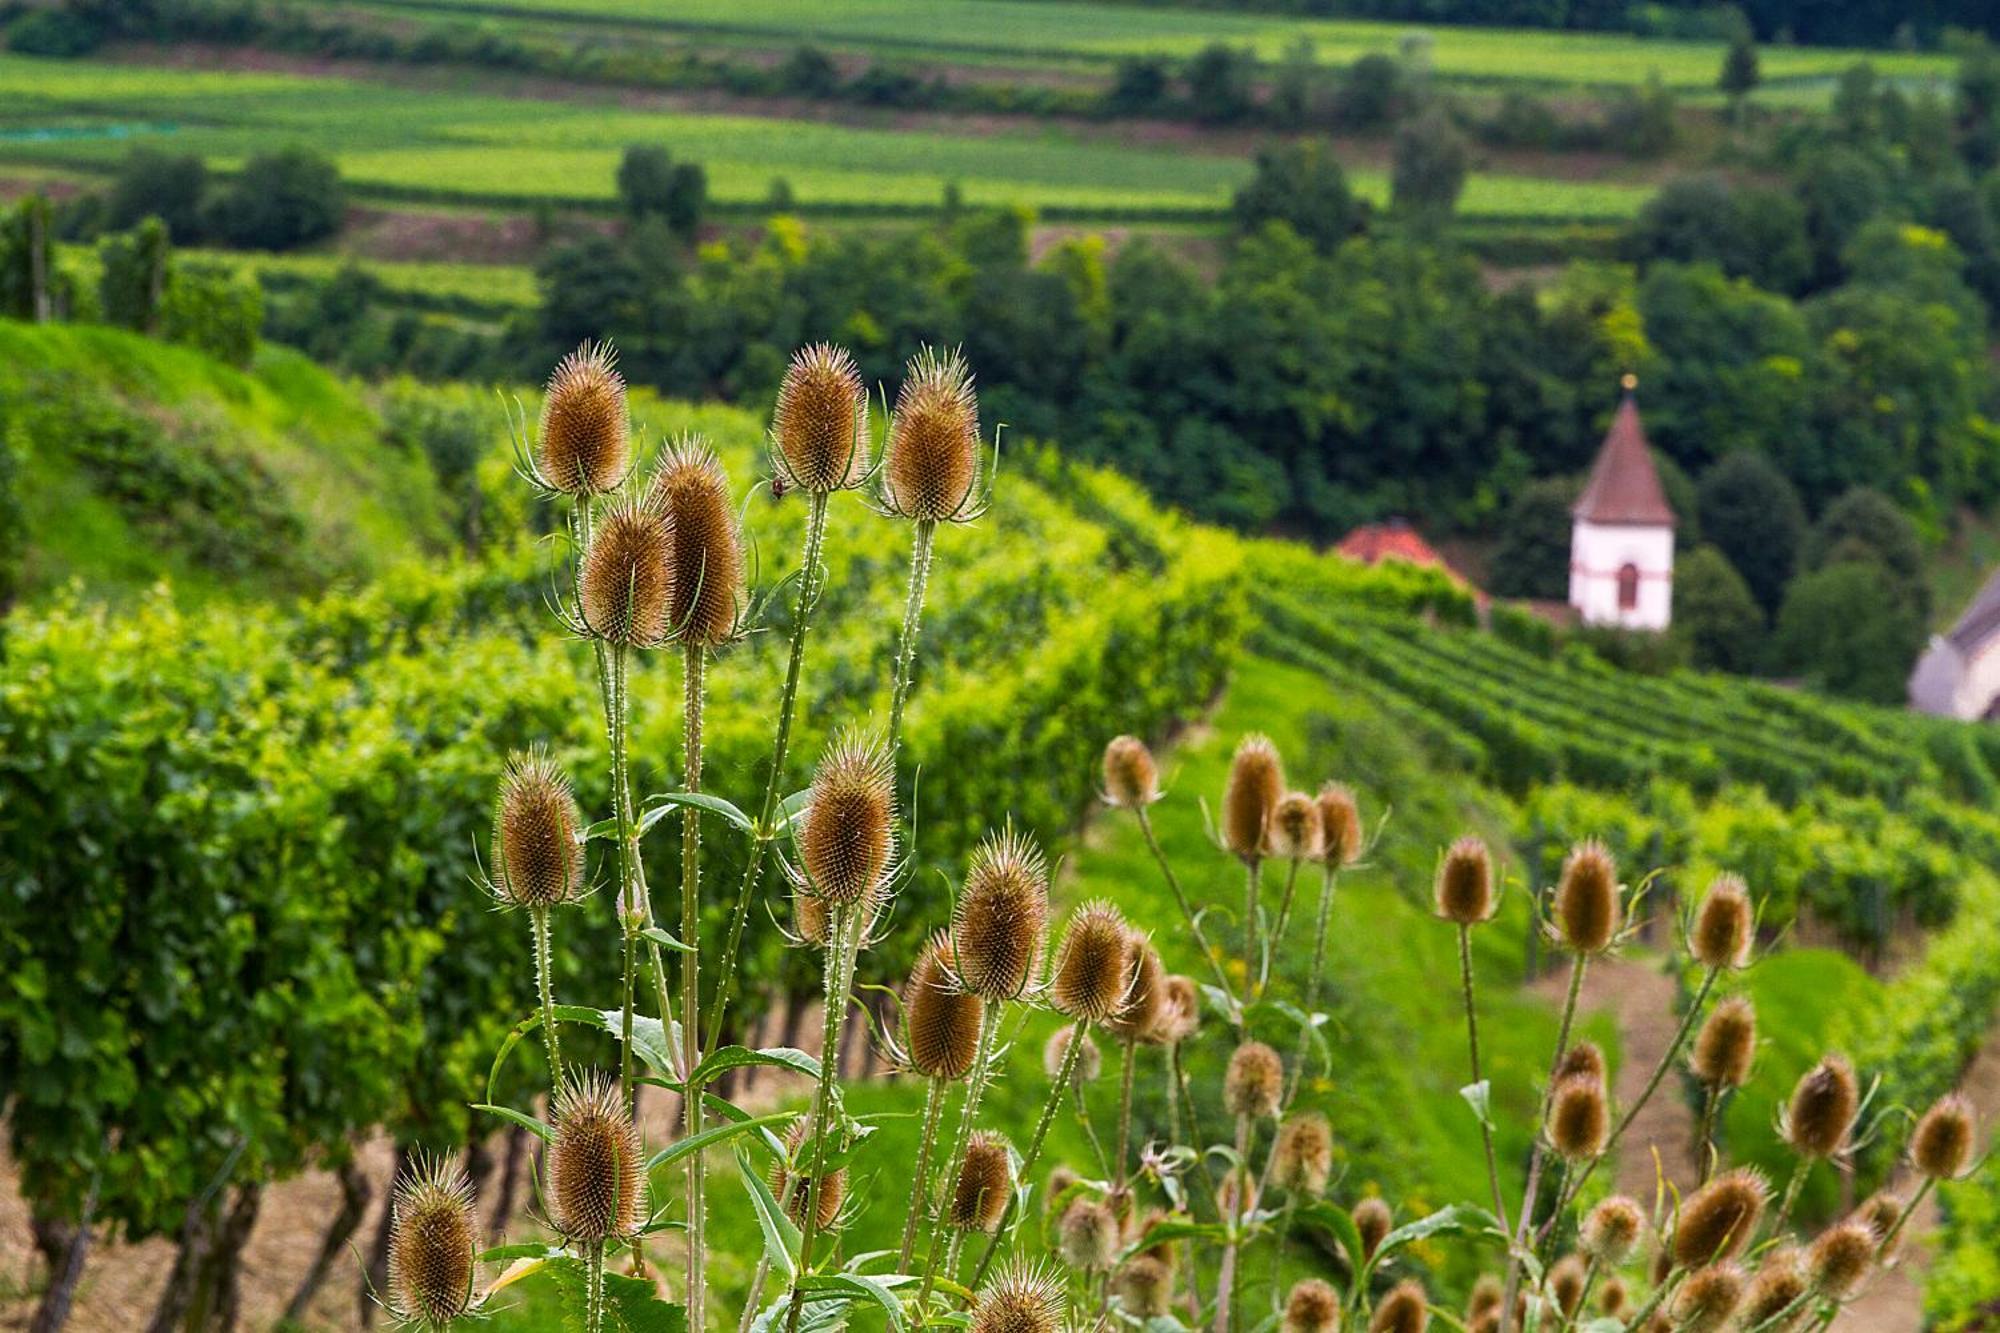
1329	876
1903	1218
628	854
538	922
1791	1195
811	584
1253	878
975	1089
913	611
1472	1042
1276	939
1126	1068
844	932
693	680
593	1288
1064	1075
1658	1298
1208	950
1225	1283
1711	1105
1538	1159
1179	1071
933	1114
757	1280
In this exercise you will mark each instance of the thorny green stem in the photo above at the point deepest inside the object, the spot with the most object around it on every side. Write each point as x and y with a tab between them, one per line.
906	653
1658	1298
975	1088
1065	1075
1705	1138
1208	950
1122	1173
1791	1195
1472	1041
757	1281
1902	1219
1225	1287
1179	1071
1328	877
933	1113
1277	938
1252	883
1090	1131
538	920
693	678
621	798
811	585
1783	1317
844	933
593	1288
1538	1159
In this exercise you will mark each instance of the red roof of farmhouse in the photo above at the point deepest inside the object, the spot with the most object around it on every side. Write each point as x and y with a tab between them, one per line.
1372	543
1624	487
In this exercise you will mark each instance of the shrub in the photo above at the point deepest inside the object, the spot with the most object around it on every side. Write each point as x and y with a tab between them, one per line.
53	32
279	200
1714	613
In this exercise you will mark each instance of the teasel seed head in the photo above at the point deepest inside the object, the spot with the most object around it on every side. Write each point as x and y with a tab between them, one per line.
1312	1307
1942	1144
1717	1220
1404	1310
1302	1157
1566	1284
1881	1212
1588	908
932	468
1131	779
940	1017
1726	1045
1374	1220
985	1184
1611	1231
1145	1286
691	491
433	1244
1822	1108
1487	1294
810	917
1464	888
1614	1298
1340	825
1256	782
1235	1192
1087	1236
1579	1118
1023	1298
586	438
849	840
1709	1298
1295	828
537	860
1255	1081
1724	925
793	1188
1780	1281
1139	1017
1089	1060
1180	1010
1093	964
819	429
1840	1258
1062	1178
1000	926
1663	1260
596	1163
626	587
1583	1059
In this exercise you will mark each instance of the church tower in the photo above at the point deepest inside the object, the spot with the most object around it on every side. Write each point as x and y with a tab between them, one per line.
1621	555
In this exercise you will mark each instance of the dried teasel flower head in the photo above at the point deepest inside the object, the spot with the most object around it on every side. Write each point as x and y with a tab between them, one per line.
819	430
1139	1018
985	1184
1464	888
1404	1310
1579	1118
433	1244
1131	779
1311	1307
1062	1179
1717	1220
1340	825
596	1163
1585	1058
1487	1294
792	1187
1726	1044
1255	1081
1302	1157
1822	1108
1614	1298
626	585
1093	964
1087	1236
1880	1212
1374	1220
1941	1146
940	1017
1256	782
1145	1286
931	470
1295	828
1588	907
1566	1284
1611	1231
1723	925
1708	1299
537	859
1180	1010
1778	1284
1023	1298
848	845
1840	1257
690	490
1000	924
1089	1060
585	444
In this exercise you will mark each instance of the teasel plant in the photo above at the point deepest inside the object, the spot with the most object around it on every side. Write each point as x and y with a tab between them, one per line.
537	866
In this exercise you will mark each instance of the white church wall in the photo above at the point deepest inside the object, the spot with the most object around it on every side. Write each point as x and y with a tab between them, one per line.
1598	551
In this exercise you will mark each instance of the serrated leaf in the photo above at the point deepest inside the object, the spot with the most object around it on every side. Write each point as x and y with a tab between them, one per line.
527	1250
781	1238
737	1057
1451	1220
697	1142
859	1287
636	1305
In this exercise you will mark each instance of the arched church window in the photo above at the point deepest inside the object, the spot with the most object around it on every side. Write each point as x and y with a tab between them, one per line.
1628	586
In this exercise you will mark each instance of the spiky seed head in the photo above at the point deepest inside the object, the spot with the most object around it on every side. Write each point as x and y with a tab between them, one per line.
1881	1212
1404	1310
626	585
1339	824
810	917
433	1243
1822	1108
1023	1298
1093	964
586	438
1180	1010
1374	1220
1255	1081
1840	1258
596	1165
1312	1307
1087	1236
1614	1298
1717	1220
849	837
1611	1231
1140	1017
1295	828
1131	779
1062	1178
820	426
1583	1059
1464	888
1942	1144
1566	1283
1302	1157
1487	1294
1724	925
1256	782
1726	1044
932	469
1709	1298
1579	1118
1663	1260
985	1183
1780	1281
1588	907
691	491
793	1187
1235	1192
1489	1322
940	1017
1001	923
1089	1060
537	860
1145	1286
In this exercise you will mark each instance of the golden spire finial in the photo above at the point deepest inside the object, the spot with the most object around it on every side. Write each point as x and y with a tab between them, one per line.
1629	381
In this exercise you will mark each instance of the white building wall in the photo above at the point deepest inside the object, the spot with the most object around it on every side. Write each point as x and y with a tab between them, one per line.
1980	684
1598	551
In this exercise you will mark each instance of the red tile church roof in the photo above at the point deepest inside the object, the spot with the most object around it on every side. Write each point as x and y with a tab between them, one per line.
1394	540
1624	487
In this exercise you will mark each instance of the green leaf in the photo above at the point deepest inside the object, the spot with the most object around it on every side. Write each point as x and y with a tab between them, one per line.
736	1057
527	1122
664	940
696	1142
1479	1096
1336	1219
661	805
649	1037
859	1287
791	808
565	1013
506	1254
1452	1220
636	1305
781	1238
603	828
